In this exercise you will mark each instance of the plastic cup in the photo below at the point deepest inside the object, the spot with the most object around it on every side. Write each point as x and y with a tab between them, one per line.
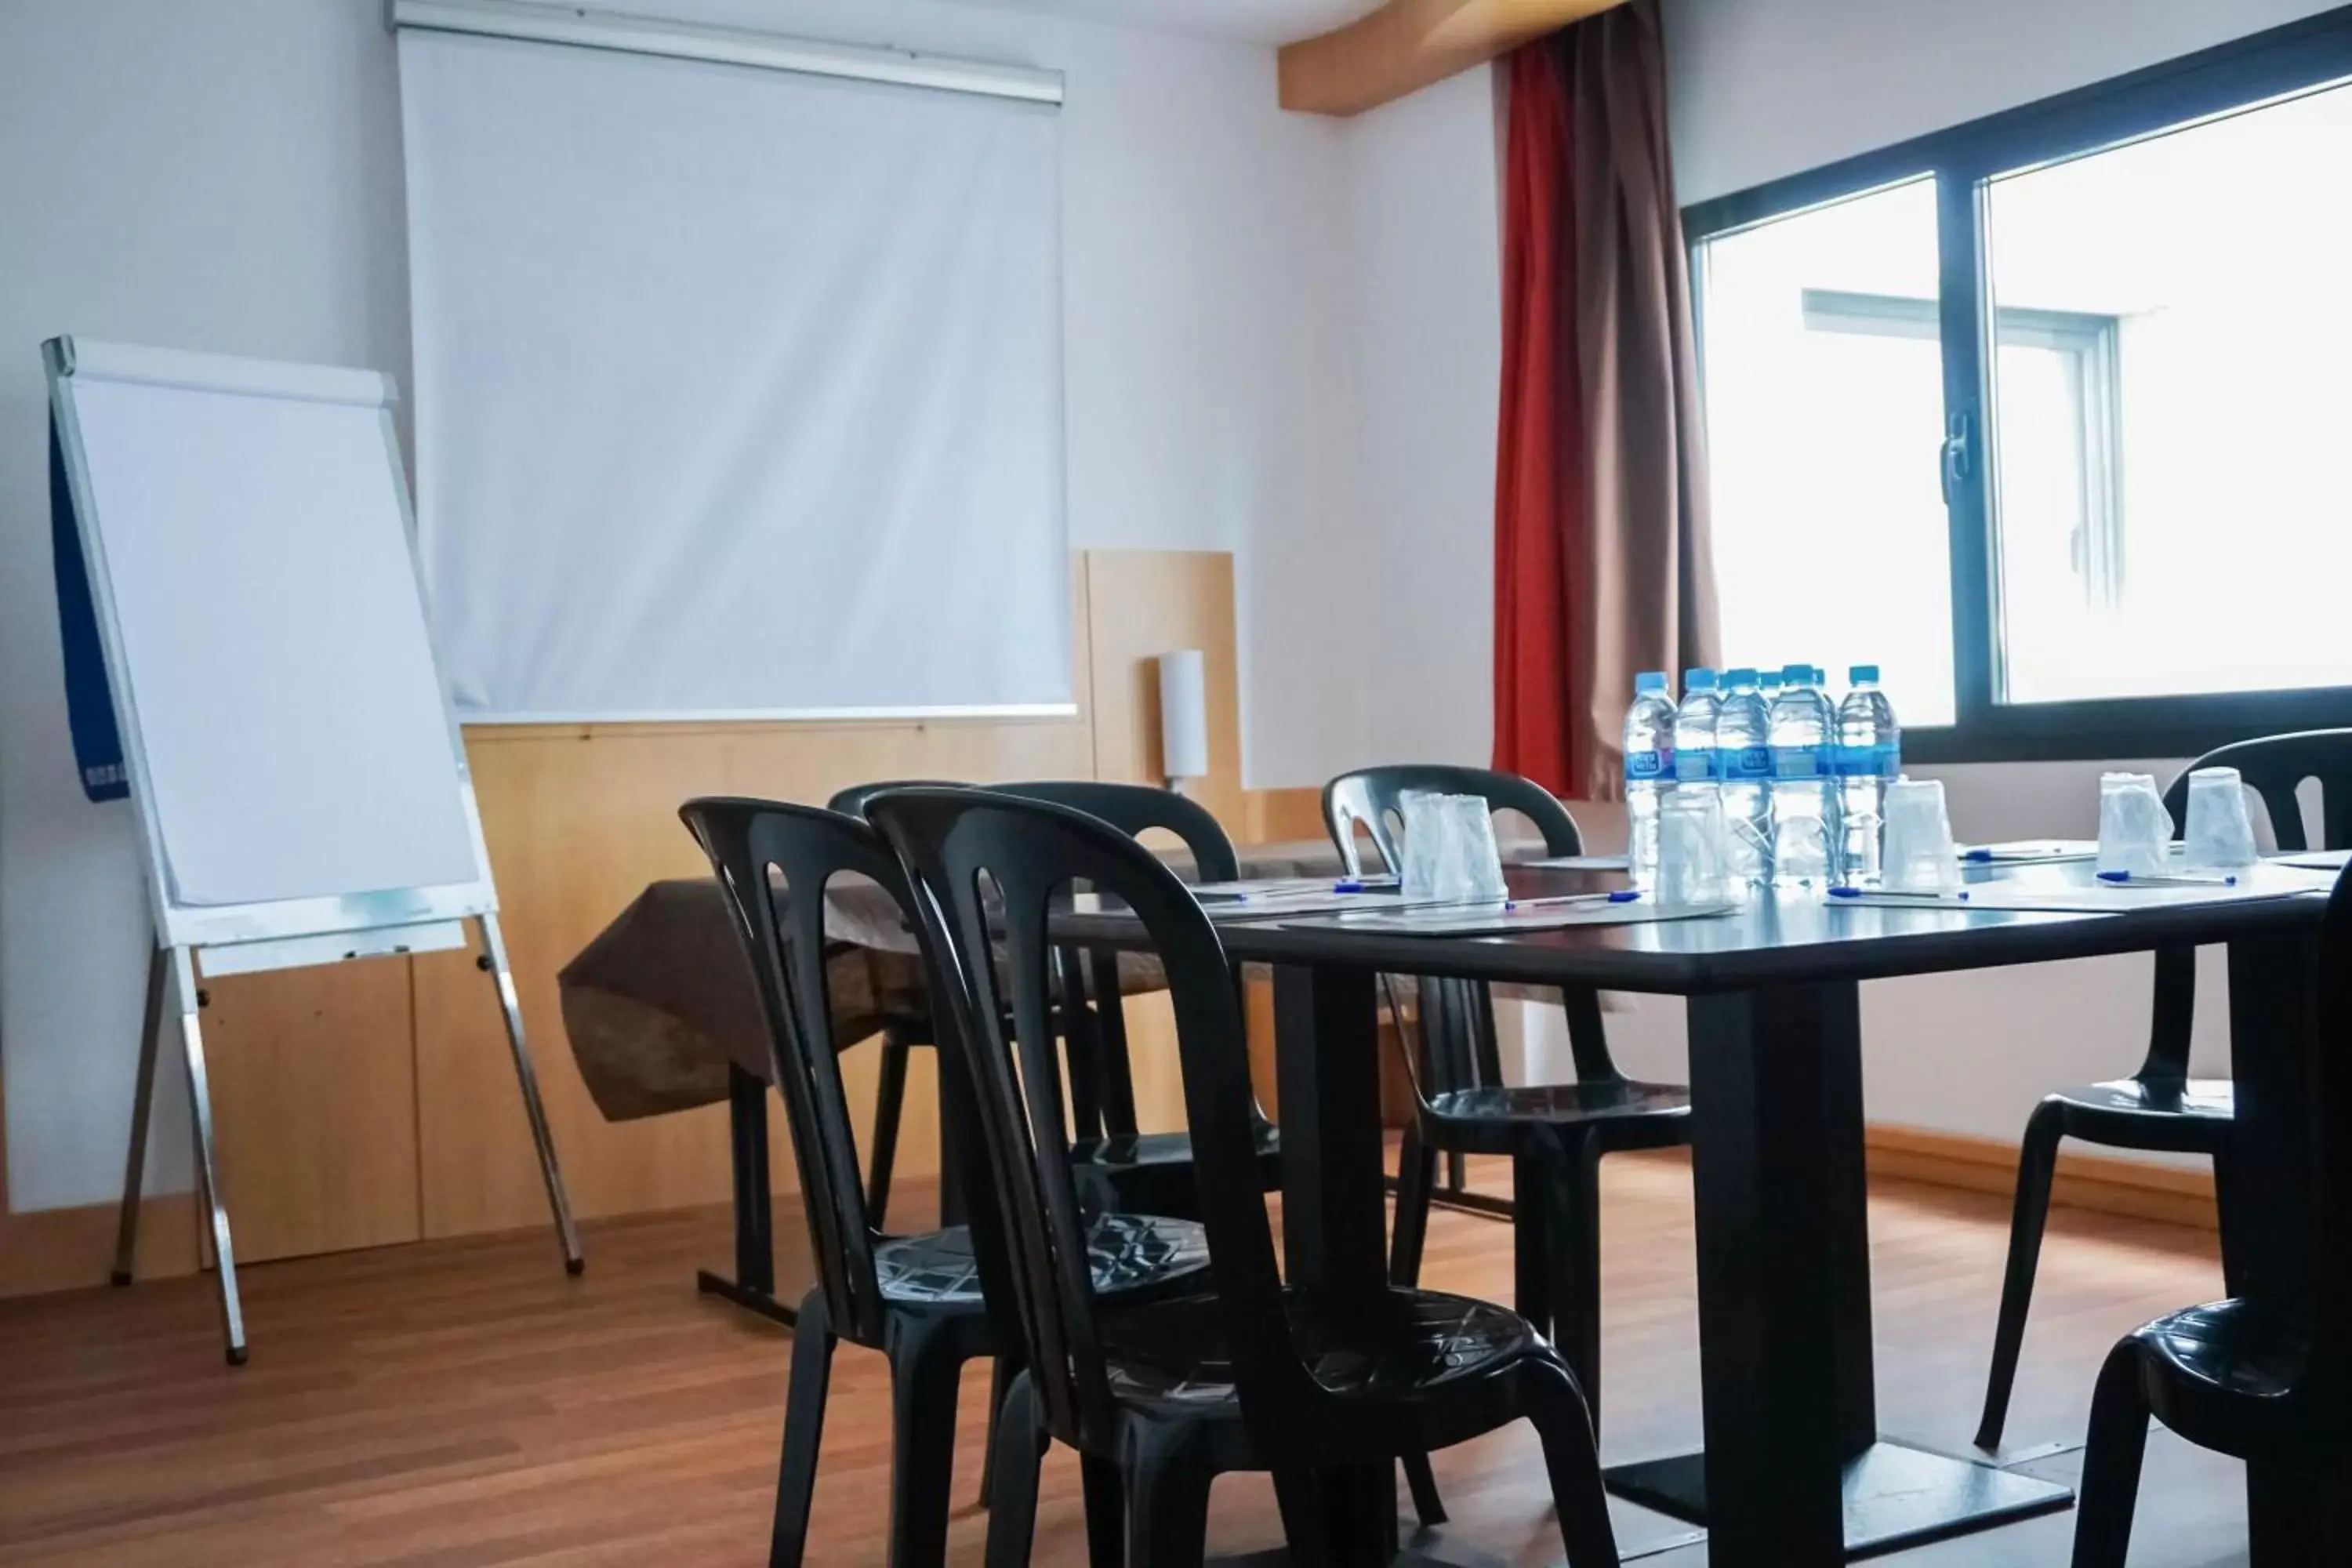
1693	849
1450	853
2221	833
2134	829
1919	857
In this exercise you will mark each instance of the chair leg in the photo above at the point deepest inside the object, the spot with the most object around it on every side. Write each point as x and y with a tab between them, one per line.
1000	1374
1303	1529
1427	1506
1168	1501
1532	1274
925	1367
1572	1457
1416	1174
1020	1443
803	1428
889	1100
2109	1491
2230	1196
1572	1243
1105	1490
2037	1163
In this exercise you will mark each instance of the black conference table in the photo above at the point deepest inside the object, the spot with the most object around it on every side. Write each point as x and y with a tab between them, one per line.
1795	1473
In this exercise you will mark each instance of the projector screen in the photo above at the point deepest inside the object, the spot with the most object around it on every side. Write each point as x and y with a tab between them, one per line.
739	391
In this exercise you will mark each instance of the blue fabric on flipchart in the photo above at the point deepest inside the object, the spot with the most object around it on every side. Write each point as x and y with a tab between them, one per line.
89	702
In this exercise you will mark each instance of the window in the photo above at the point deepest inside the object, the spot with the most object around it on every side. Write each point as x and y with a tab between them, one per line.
2041	413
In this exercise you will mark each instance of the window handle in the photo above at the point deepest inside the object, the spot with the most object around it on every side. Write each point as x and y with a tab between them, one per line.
1955	455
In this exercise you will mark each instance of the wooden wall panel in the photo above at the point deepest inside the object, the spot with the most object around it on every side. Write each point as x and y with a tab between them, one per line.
579	819
314	1098
578	822
1148	603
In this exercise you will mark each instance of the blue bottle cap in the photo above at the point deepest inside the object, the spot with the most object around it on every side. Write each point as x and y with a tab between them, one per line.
1863	674
1742	676
1769	680
1796	674
1698	680
1649	680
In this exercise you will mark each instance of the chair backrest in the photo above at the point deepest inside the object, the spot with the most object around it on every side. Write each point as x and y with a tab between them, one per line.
753	846
1137	809
2274	767
1458	1018
851	802
987	869
1370	795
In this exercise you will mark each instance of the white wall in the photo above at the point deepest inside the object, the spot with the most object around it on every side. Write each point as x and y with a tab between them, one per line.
229	178
1427	266
209	177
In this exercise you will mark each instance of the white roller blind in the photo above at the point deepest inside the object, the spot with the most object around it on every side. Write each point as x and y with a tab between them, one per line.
739	391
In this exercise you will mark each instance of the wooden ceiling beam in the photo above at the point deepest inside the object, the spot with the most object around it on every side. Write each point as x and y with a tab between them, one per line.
1408	43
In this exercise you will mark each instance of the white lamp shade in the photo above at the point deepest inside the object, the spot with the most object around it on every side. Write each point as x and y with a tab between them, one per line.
1183	715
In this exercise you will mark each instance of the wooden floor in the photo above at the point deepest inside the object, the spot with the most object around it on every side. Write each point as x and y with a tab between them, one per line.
465	1403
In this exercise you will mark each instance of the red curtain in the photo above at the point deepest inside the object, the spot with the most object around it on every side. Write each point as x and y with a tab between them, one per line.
1539	476
1602	564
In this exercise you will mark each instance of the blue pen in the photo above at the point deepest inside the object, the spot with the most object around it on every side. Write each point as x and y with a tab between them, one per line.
1348	885
1959	896
2121	877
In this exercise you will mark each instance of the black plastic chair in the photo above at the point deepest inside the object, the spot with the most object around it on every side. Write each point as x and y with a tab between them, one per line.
2268	1382
1554	1134
900	1036
1159	1398
916	1297
2159	1107
1150	1172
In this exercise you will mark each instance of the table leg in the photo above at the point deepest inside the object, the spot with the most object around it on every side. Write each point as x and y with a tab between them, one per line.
754	1284
2295	1515
1794	1474
1334	1217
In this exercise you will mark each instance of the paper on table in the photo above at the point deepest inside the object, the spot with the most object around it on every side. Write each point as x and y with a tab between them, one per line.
1284	886
2318	860
2104	898
1493	920
1317	901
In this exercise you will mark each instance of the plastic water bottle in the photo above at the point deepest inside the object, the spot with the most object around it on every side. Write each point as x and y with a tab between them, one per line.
1648	773
1695	763
1743	754
1768	683
1804	783
1870	757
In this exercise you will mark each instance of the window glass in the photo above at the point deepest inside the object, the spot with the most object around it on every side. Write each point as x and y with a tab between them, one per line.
2171	408
1824	389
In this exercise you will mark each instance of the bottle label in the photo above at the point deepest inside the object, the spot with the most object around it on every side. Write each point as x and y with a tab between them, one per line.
1695	764
1644	766
1869	762
1747	762
1801	762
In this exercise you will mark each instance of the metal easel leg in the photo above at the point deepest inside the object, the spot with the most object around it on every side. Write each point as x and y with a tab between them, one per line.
200	1107
134	1172
494	959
